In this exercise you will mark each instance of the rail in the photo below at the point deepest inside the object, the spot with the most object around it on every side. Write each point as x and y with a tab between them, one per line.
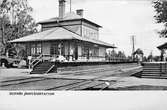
38	59
163	68
49	57
72	85
36	63
49	69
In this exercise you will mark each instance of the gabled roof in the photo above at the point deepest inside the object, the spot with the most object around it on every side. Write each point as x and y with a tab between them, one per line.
68	17
58	33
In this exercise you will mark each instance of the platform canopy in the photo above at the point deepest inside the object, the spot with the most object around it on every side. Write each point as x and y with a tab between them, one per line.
58	33
163	46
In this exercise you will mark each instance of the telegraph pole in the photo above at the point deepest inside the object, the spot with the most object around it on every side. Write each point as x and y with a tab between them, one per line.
133	46
70	6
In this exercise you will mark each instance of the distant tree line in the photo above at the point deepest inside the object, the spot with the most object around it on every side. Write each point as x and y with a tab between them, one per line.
138	56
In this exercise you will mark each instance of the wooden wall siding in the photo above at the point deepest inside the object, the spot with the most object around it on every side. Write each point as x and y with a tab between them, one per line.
90	26
52	25
74	28
102	51
54	48
82	58
91	58
46	48
71	44
82	28
90	32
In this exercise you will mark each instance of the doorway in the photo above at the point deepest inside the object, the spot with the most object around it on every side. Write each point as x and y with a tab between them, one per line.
76	52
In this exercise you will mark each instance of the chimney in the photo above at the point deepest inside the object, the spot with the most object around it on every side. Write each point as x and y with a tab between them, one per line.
80	12
61	8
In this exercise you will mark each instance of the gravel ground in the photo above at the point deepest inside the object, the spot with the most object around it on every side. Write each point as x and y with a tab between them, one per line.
118	77
14	72
139	83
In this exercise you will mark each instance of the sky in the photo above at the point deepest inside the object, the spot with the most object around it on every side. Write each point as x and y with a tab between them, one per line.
120	20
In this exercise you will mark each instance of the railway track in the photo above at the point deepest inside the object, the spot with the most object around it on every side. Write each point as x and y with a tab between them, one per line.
72	84
45	83
86	84
95	69
20	81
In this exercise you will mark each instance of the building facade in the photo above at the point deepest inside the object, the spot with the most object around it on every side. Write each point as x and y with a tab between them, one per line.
69	35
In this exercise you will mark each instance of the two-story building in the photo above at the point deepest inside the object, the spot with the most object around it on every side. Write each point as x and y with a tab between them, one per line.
69	35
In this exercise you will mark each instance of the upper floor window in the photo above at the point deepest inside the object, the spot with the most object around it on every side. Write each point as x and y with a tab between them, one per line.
90	33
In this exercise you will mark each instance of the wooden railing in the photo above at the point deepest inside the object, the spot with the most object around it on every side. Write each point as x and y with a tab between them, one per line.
49	69
116	59
44	57
37	60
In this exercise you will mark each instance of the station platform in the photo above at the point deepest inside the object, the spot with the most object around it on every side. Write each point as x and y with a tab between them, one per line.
156	70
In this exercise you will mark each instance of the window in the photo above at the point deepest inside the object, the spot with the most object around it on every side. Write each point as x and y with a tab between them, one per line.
36	49
33	49
85	51
90	33
39	50
91	51
54	49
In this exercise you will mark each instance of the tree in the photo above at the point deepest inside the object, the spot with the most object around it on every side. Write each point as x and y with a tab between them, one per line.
113	53
156	58
16	21
139	54
121	54
161	15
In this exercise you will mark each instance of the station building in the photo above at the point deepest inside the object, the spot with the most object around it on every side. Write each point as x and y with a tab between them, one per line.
69	35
